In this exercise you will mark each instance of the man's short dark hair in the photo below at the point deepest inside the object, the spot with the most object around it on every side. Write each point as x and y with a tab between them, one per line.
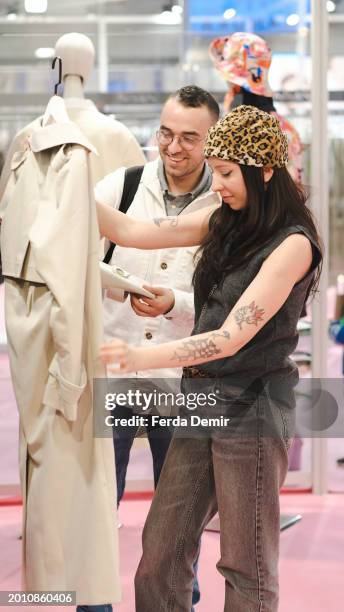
194	97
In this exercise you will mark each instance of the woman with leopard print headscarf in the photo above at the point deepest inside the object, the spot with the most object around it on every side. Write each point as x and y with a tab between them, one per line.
260	257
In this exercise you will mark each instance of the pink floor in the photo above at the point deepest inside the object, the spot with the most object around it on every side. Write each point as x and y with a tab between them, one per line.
311	566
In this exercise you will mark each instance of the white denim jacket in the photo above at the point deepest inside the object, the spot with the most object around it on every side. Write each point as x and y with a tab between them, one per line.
171	268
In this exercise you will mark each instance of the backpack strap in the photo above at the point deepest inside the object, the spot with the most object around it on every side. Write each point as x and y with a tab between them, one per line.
132	177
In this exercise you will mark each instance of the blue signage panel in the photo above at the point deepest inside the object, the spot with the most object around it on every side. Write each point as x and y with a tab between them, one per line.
221	17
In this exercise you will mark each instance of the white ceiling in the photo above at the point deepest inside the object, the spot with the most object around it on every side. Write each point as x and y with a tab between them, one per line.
82	7
130	42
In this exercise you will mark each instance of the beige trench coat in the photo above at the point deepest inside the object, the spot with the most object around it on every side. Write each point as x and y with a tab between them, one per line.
49	244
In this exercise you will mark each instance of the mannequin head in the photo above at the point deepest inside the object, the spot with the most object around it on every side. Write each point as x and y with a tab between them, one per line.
77	54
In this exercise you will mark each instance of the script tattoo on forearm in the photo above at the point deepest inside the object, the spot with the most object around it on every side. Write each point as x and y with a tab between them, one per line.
173	221
250	314
201	348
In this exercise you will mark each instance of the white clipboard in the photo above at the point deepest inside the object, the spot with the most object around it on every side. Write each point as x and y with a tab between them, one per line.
114	277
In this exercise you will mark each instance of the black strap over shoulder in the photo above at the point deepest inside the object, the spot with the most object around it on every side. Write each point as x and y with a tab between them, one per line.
132	179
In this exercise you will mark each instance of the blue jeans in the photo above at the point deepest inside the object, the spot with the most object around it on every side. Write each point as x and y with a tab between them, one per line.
102	608
159	441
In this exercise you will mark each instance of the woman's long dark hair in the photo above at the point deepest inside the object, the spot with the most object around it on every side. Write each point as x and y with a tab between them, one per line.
234	237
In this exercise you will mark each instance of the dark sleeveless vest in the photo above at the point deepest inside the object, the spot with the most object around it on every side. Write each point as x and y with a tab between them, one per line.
267	355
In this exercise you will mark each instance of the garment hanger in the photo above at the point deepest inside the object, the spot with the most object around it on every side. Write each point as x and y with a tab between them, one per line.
55	111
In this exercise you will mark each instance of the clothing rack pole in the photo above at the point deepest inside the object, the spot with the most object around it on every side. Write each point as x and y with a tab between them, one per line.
320	207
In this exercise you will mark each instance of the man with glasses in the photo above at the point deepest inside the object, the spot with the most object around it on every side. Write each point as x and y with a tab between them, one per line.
178	182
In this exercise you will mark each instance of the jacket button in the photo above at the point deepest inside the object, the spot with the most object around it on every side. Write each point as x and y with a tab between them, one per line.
148	335
163	265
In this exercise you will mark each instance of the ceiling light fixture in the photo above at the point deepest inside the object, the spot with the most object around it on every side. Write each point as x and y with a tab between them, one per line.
330	6
44	52
168	18
229	13
293	19
176	8
36	6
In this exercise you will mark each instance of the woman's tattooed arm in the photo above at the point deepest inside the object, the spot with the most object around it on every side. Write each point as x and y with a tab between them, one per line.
270	289
251	315
173	221
203	348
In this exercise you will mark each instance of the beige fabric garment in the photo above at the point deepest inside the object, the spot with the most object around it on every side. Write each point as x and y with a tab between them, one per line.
115	144
49	242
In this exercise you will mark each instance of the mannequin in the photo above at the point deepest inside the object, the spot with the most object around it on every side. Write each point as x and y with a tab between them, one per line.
77	54
96	484
114	142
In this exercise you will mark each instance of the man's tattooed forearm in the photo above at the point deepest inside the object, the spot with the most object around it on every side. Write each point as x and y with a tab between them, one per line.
202	348
250	314
173	221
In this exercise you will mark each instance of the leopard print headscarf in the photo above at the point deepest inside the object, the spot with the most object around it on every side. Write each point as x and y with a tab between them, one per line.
248	136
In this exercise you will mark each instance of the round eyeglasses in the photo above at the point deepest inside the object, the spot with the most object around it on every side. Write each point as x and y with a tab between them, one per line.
186	141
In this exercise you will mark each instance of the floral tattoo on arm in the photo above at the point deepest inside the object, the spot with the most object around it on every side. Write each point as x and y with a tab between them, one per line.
202	348
173	221
250	314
